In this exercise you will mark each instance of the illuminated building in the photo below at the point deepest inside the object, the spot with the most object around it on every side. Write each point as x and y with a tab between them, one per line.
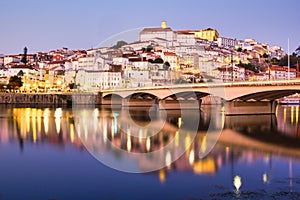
163	32
97	79
207	34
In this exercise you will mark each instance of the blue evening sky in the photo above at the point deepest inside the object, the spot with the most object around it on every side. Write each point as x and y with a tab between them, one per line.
46	25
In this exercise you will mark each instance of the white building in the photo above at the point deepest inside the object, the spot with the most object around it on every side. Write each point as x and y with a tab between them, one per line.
70	76
123	61
282	73
207	66
141	75
290	73
229	73
247	44
148	34
161	77
87	63
140	65
136	45
95	80
136	78
277	52
10	59
30	77
188	49
226	42
277	72
71	65
4	78
171	58
185	38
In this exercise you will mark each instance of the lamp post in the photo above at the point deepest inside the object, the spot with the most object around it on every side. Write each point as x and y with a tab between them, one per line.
269	68
269	72
232	66
288	59
170	70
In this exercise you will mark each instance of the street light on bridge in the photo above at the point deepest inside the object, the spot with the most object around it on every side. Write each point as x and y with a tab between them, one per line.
232	66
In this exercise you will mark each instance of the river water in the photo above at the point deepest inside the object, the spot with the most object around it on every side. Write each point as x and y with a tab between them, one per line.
100	153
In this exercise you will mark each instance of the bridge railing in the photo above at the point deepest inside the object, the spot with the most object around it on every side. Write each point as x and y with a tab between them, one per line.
212	84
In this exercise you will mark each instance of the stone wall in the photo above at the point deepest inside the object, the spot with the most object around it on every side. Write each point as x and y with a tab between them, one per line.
53	99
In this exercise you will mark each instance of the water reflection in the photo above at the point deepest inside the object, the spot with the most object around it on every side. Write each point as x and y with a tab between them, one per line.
37	125
245	141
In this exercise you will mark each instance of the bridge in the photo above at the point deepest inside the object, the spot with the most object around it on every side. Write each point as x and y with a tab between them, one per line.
237	97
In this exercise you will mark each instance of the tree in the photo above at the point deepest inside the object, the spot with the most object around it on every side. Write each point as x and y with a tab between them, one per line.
15	82
2	86
150	60
119	44
274	61
166	65
24	57
265	55
158	60
149	48
293	60
71	85
180	81
249	66
297	51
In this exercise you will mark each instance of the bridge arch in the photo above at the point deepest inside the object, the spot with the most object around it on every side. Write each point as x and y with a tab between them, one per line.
260	94
186	95
109	96
268	95
141	95
227	91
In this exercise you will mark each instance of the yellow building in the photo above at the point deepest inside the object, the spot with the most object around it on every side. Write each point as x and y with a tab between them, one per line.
207	34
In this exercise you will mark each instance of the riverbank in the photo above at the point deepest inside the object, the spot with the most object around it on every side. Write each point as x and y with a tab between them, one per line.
69	98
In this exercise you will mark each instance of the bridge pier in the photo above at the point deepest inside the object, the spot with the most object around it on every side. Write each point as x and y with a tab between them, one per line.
138	102
110	101
179	104
249	107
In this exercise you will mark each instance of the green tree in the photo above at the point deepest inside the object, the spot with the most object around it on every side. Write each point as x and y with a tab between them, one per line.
158	60
24	57
249	66
72	85
180	81
274	61
265	55
166	65
297	51
119	44
149	48
150	60
15	82
293	60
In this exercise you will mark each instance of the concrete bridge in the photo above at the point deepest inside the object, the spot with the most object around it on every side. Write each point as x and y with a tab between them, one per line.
237	97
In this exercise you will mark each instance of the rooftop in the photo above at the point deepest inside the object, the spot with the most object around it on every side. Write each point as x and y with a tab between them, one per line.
147	30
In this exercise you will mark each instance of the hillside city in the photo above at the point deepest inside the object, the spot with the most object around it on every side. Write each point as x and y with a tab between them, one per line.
161	56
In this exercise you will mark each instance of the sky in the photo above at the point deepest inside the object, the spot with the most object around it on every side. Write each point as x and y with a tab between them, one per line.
48	25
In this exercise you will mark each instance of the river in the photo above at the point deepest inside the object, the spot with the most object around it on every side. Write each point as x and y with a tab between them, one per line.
100	153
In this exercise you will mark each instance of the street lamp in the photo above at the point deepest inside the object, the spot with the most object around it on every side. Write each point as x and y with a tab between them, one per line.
232	66
170	70
269	72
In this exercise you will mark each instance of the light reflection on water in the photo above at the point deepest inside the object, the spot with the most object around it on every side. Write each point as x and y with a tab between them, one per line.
263	150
